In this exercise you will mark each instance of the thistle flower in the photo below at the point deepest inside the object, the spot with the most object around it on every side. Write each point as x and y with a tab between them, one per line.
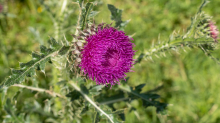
213	30
107	54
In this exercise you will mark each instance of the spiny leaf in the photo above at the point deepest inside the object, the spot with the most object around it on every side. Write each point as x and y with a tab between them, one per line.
95	90
93	14
148	99
53	43
96	118
37	63
84	89
64	50
116	15
80	2
114	115
11	110
85	14
73	95
99	117
203	4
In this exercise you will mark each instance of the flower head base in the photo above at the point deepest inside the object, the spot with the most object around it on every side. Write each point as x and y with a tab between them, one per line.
213	31
107	54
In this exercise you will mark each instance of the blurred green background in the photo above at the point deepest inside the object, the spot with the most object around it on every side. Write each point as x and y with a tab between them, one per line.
187	81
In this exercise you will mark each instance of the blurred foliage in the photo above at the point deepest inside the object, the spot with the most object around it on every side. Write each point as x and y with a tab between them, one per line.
187	82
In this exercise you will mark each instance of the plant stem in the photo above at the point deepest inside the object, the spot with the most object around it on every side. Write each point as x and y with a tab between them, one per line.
40	90
64	3
89	100
178	42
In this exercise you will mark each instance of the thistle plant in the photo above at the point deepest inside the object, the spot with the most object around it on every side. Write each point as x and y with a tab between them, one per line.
93	63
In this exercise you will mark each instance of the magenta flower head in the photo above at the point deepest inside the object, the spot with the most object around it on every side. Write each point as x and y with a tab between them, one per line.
107	54
213	30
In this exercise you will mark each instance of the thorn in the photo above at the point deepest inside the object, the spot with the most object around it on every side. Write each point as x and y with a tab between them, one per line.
157	56
65	38
85	31
107	26
159	37
111	24
79	37
62	43
152	44
100	27
184	50
74	36
76	46
164	54
92	30
81	34
93	21
79	43
87	25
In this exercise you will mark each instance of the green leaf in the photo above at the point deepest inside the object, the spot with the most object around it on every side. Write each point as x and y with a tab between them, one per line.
114	115
64	50
80	2
37	63
95	90
96	118
93	14
85	14
84	89
203	5
148	99
115	14
11	110
73	95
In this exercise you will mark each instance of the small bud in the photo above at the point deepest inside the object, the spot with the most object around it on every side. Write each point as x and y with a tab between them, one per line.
213	30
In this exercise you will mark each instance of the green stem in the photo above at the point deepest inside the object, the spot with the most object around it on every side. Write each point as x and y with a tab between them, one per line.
177	43
64	4
40	90
78	21
89	100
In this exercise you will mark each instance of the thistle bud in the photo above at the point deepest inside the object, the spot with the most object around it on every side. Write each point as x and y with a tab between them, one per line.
213	30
